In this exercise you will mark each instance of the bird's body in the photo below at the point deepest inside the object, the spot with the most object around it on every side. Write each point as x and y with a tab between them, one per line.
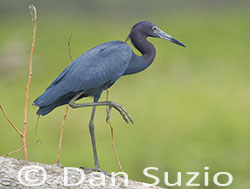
87	73
98	69
91	74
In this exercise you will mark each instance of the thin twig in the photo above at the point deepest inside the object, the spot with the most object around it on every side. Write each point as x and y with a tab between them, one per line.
34	19
12	124
65	114
61	136
112	133
19	149
70	56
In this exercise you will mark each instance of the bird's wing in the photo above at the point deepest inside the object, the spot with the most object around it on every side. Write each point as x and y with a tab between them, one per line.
104	63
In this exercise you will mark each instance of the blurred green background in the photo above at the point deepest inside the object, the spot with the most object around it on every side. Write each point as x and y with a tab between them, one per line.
190	107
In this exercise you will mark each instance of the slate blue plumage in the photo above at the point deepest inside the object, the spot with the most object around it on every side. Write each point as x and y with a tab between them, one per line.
87	73
103	64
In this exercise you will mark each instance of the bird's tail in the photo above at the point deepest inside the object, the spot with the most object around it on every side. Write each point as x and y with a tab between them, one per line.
45	109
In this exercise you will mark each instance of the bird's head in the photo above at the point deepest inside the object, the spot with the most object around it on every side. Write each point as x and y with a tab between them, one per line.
148	29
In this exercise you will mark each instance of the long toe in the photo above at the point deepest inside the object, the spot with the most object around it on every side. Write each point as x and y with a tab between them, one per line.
125	115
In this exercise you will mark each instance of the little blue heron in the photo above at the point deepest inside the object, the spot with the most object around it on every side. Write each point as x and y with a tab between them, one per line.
97	70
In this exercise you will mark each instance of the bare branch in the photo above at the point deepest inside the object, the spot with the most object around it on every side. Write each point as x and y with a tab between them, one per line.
19	149
34	19
112	134
12	124
66	112
61	136
70	56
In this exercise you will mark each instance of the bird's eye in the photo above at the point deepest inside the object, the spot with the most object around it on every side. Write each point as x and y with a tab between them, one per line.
154	28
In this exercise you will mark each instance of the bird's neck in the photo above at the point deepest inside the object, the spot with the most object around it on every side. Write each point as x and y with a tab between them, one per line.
140	63
144	46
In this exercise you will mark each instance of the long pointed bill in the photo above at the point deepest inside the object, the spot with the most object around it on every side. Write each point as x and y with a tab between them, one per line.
163	35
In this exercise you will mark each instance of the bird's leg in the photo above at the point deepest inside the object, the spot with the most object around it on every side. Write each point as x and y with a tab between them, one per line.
92	134
111	105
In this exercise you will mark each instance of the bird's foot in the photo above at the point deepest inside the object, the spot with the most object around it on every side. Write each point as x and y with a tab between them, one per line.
125	115
95	169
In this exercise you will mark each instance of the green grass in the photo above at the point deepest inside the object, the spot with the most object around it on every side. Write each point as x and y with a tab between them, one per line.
190	107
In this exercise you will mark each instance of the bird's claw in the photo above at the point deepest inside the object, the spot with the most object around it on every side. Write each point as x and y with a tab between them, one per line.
125	115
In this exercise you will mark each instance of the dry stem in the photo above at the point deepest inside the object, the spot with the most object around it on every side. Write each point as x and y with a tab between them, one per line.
19	149
61	136
34	18
12	124
70	56
112	134
65	114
